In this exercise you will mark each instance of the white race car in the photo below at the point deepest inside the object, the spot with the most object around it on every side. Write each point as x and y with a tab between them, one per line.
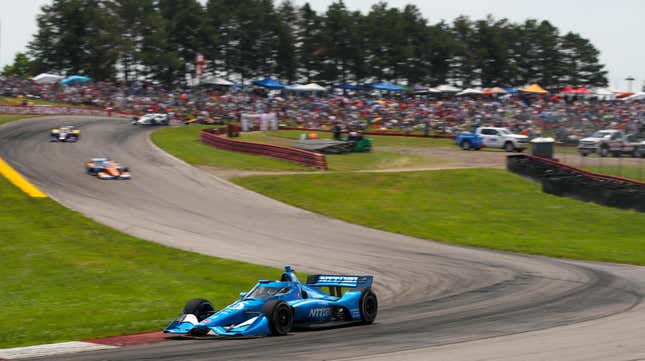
152	119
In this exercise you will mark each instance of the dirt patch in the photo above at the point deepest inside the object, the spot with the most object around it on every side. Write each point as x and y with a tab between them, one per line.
451	158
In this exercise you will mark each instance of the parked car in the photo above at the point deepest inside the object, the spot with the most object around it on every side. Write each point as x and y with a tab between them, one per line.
496	137
611	141
469	141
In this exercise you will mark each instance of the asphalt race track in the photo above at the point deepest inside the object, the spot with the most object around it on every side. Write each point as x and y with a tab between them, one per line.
436	301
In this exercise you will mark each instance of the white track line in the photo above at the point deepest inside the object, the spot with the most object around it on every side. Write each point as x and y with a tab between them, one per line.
50	349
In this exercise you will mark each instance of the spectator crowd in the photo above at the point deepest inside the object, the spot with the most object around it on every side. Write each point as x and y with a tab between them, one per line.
567	119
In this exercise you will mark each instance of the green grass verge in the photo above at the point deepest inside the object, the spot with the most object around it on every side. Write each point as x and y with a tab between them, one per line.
626	171
6	118
476	207
183	142
65	277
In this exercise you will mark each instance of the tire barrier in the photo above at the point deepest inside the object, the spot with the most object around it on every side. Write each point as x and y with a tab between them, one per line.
214	138
566	181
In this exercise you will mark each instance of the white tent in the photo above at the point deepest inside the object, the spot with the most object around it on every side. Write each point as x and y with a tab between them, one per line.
447	88
604	93
311	87
315	87
216	81
470	91
45	78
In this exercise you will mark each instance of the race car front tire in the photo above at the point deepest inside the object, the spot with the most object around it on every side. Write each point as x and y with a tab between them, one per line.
199	307
368	306
280	316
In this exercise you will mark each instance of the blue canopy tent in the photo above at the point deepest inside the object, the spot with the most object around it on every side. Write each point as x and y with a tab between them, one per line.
386	86
346	86
74	79
510	90
268	82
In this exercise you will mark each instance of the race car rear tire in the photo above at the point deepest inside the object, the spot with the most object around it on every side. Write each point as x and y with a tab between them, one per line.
368	306
465	145
280	316
199	307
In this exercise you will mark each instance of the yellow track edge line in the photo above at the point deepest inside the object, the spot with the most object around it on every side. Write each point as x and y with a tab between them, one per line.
19	181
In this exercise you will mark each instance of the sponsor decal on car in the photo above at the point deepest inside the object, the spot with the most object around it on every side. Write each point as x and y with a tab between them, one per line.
337	279
320	313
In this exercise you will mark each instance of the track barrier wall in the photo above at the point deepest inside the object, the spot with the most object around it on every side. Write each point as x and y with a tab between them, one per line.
215	138
399	134
563	180
393	134
60	110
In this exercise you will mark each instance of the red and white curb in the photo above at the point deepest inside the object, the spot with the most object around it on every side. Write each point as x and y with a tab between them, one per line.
81	346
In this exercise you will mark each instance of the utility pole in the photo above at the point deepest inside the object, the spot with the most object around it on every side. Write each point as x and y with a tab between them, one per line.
629	79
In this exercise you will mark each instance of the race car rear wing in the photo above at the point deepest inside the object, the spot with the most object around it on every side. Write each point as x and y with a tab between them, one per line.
338	281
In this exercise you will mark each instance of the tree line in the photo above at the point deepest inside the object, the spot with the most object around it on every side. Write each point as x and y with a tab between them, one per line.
243	39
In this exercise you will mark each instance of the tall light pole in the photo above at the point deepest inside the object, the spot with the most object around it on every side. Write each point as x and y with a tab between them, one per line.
629	79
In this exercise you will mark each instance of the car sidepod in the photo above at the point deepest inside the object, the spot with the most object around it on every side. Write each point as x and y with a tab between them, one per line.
320	311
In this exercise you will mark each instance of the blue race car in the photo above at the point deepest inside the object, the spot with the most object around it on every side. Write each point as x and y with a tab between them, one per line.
277	307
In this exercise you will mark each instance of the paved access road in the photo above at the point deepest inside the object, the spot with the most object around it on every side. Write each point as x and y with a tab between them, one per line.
436	300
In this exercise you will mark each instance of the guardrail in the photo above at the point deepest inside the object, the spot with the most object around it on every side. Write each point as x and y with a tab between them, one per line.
213	137
399	134
60	110
392	134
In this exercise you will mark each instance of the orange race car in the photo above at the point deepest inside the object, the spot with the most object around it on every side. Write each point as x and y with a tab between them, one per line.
105	168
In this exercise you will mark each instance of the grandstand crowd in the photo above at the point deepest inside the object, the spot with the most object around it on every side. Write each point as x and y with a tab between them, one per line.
566	118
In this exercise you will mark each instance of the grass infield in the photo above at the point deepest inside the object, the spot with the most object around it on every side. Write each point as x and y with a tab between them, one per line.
183	142
65	277
474	207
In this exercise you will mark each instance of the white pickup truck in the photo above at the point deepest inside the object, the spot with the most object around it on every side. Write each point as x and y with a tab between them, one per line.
611	141
503	138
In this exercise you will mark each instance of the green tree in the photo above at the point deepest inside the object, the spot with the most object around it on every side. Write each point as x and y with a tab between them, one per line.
22	67
287	31
184	34
492	51
440	48
310	52
466	55
137	22
75	36
580	64
339	39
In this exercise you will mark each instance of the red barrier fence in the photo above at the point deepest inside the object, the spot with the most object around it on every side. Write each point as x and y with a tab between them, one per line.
398	134
393	134
59	110
214	138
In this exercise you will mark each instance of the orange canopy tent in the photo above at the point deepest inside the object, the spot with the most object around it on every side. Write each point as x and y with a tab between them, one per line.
624	95
495	90
534	88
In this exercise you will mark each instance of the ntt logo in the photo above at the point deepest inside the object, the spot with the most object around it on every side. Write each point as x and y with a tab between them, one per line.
320	313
